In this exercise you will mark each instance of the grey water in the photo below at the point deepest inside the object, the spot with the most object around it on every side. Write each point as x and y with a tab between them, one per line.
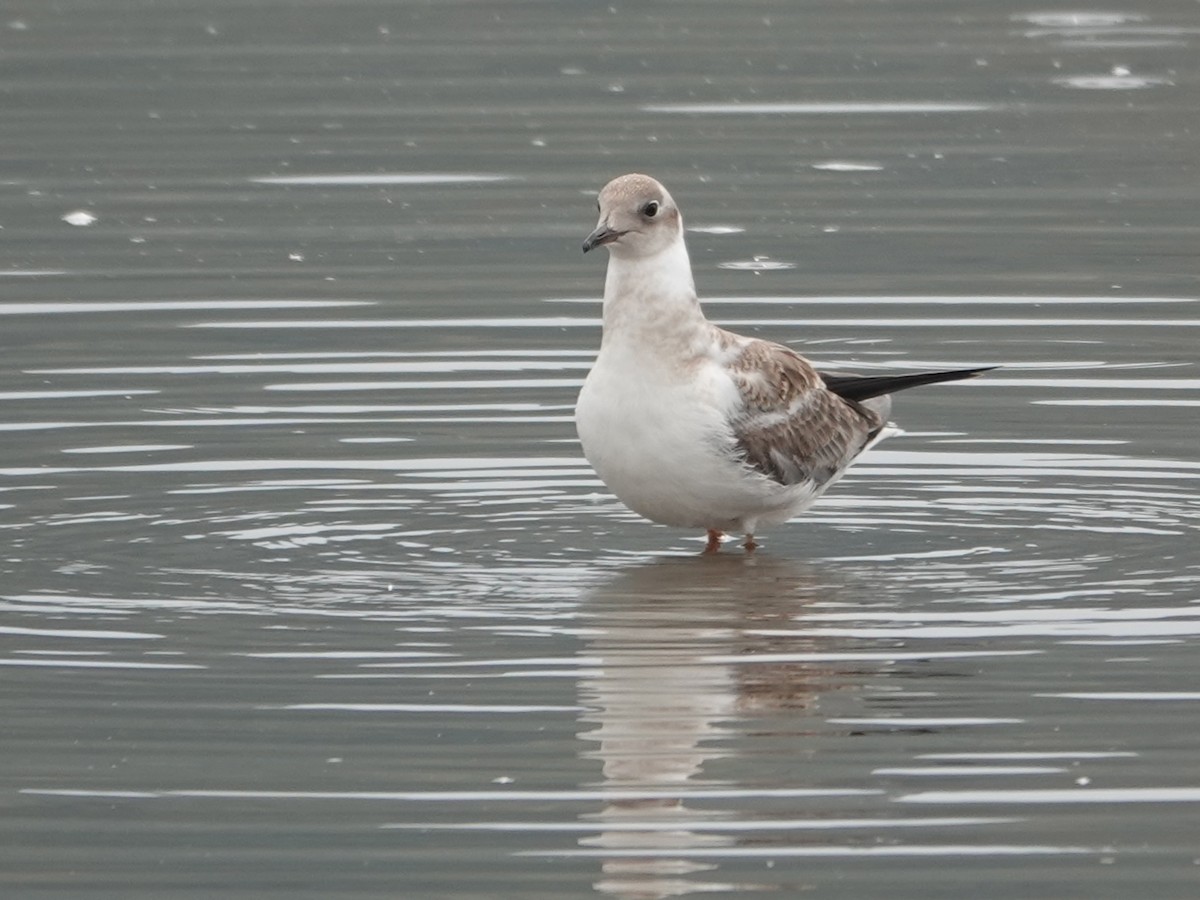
307	590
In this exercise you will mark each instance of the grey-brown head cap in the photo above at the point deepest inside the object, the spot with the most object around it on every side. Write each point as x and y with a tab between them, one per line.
637	217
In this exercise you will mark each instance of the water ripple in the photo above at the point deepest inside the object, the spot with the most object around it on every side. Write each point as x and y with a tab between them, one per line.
370	179
824	108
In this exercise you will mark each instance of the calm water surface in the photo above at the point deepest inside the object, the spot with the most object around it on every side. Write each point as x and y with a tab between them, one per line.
308	591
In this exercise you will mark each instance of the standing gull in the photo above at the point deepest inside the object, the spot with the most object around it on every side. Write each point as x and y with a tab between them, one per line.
694	426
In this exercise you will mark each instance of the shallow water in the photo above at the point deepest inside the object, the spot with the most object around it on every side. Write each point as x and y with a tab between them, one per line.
309	592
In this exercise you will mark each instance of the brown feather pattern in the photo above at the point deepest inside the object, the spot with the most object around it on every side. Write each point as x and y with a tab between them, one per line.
792	429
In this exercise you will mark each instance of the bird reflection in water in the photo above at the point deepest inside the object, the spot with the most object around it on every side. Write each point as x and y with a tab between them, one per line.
665	699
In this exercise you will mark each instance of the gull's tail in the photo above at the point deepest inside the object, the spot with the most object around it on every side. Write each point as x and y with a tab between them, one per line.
864	387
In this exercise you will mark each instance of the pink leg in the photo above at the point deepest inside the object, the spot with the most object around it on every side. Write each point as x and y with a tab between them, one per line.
714	541
751	545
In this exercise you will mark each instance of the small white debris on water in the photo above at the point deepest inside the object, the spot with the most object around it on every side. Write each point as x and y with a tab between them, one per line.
79	217
839	166
1120	80
758	264
716	229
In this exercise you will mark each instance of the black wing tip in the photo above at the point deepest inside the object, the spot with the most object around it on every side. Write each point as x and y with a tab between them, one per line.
975	373
864	387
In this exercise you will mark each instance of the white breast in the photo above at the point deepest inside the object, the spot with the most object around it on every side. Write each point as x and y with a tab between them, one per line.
661	442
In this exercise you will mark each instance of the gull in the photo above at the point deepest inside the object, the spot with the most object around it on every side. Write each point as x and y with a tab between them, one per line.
693	426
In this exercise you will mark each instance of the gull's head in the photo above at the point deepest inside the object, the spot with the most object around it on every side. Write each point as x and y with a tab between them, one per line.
638	218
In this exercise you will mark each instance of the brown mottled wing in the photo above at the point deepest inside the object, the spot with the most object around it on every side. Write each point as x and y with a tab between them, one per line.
791	428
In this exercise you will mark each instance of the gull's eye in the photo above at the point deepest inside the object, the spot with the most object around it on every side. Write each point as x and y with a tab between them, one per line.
650	210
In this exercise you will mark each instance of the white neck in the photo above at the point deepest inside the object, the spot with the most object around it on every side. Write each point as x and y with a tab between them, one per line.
651	298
